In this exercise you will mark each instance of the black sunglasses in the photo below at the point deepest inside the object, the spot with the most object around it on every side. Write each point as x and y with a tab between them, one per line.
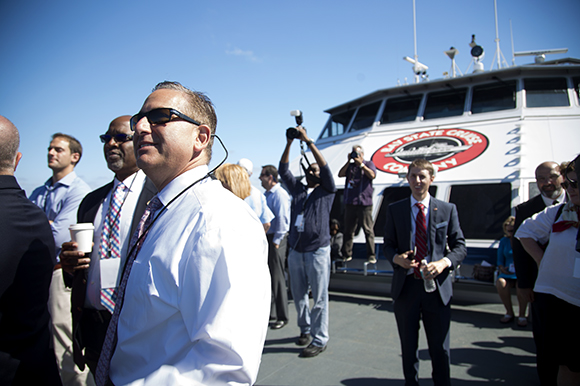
160	116
570	184
119	138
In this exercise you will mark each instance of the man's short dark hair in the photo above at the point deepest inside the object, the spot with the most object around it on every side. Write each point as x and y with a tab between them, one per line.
422	163
270	170
73	144
200	108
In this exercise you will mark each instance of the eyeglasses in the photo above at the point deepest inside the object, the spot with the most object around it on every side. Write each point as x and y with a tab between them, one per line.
119	138
570	184
160	116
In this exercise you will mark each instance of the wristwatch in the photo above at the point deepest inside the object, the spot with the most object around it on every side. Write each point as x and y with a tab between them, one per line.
309	142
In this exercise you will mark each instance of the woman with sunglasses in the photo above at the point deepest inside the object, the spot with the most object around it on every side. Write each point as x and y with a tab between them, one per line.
557	287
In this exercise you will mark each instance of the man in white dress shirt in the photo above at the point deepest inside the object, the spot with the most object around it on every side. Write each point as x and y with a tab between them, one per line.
195	307
88	276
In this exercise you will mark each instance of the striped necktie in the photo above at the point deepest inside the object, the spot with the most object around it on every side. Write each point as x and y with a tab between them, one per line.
110	247
420	237
102	373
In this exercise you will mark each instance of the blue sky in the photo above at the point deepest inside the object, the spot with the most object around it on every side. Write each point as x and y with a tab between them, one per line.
73	66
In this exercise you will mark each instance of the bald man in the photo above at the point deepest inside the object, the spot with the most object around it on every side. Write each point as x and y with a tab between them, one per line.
27	260
549	181
88	275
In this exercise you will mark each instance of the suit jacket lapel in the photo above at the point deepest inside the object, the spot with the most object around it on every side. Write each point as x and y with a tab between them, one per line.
433	212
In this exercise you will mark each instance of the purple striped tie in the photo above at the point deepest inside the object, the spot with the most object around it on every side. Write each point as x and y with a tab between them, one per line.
102	373
110	247
420	237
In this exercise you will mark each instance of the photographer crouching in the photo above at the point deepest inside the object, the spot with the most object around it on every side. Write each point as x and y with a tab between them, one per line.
358	199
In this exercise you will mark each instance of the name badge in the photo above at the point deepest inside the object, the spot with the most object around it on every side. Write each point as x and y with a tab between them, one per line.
300	222
109	272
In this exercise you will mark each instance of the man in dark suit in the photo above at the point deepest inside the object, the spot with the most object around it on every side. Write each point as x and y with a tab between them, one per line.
27	260
549	181
87	275
431	227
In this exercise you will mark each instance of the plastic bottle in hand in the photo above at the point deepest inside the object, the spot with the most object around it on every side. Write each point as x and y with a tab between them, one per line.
430	285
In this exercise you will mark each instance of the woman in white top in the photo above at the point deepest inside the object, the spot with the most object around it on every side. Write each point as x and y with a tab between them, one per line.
558	284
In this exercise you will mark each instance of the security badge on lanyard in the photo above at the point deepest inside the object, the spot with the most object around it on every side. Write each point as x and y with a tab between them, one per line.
300	222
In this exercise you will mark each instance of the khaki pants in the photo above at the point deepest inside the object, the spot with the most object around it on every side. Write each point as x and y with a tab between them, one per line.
59	305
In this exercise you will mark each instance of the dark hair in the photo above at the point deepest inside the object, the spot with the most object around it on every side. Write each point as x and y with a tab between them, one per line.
334	222
73	144
271	170
422	163
200	108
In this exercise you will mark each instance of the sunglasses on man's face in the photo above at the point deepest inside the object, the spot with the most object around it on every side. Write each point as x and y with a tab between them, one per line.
119	138
570	184
160	116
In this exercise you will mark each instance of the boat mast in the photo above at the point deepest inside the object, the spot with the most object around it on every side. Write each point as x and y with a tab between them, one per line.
498	52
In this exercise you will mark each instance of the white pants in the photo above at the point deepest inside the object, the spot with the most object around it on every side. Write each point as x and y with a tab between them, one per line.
59	305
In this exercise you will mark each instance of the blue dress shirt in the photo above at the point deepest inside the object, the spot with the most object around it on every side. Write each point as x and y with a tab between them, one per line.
60	203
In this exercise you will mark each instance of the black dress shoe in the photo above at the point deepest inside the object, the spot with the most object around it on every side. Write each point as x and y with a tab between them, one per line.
303	340
278	324
312	351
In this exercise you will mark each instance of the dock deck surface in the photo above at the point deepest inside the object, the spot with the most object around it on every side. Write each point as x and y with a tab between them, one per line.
364	347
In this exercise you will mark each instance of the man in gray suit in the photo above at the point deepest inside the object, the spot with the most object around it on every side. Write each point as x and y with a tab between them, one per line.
422	227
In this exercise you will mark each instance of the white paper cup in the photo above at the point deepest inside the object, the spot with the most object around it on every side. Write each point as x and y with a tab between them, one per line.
82	234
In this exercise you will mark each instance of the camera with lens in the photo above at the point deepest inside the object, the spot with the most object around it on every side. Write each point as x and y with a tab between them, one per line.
354	154
292	132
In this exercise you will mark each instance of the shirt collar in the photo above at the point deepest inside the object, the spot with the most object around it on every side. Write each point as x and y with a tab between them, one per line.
66	180
550	201
425	202
132	182
179	183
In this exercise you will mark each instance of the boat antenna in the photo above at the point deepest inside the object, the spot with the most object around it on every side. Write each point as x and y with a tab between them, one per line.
454	68
477	55
541	54
419	68
512	36
498	52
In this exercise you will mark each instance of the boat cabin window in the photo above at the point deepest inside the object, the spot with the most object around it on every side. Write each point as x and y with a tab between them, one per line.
389	196
337	124
494	97
482	209
445	103
366	116
401	109
546	92
576	85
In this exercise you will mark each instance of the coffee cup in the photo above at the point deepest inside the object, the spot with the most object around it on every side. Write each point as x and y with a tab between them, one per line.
82	234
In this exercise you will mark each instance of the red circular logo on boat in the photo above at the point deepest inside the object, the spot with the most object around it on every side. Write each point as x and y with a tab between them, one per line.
444	148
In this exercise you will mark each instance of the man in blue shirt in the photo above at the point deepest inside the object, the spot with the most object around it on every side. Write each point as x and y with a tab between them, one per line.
309	240
59	198
278	201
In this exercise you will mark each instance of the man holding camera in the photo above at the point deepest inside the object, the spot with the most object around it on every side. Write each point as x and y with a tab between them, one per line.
358	200
309	242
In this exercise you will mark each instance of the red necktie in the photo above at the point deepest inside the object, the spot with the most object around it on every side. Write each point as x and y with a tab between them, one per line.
420	237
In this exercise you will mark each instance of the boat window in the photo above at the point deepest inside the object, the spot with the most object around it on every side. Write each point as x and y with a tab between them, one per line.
494	97
576	84
546	92
389	196
337	210
401	109
337	124
366	116
482	209
445	103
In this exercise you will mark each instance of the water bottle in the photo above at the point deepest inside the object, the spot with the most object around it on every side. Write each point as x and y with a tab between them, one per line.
429	284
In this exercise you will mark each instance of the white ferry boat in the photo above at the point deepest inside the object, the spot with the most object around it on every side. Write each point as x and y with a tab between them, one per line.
486	132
